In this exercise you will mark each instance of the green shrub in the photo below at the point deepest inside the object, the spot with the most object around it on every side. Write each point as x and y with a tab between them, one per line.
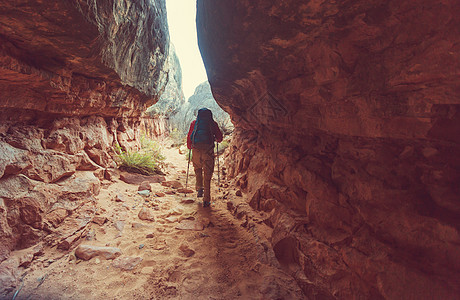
146	161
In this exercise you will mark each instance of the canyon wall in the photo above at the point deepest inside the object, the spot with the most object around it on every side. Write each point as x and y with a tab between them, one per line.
172	99
75	78
347	136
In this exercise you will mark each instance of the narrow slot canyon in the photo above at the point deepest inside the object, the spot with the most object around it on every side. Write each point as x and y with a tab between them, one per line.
338	174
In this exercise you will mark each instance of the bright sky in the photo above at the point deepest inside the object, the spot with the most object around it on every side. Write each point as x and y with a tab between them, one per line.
182	30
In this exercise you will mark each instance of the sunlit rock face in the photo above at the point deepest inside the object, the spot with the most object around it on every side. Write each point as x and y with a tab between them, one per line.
75	78
348	131
172	99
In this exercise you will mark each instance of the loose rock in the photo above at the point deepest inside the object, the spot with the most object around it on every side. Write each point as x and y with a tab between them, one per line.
120	198
99	220
138	178
144	193
187	201
190	225
185	191
86	252
146	214
173	183
127	263
145	186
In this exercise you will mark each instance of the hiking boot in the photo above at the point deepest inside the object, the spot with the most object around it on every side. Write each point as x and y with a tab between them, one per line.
200	193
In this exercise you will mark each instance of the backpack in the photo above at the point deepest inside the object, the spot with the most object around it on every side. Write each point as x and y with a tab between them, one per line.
202	131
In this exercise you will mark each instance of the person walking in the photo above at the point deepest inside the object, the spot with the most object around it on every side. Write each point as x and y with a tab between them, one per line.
202	134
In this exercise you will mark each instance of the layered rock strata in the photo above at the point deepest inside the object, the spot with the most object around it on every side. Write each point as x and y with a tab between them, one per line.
75	78
347	136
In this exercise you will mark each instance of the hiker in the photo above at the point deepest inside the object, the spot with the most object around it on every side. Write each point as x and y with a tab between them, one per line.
201	136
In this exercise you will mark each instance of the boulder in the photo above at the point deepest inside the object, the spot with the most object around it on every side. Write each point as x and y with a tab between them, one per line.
86	252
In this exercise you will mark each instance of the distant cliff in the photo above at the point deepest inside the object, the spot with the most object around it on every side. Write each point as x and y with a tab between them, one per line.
202	97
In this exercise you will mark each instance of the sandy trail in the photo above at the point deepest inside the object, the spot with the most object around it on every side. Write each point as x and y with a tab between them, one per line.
229	261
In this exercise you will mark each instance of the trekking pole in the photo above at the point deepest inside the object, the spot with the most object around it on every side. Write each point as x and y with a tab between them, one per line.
218	172
188	167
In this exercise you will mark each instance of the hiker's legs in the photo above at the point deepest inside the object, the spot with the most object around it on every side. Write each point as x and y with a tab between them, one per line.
197	166
208	169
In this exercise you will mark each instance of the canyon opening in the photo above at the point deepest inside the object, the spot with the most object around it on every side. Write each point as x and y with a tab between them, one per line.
335	175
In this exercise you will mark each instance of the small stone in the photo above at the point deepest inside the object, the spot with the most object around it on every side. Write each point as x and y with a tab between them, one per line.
239	193
110	174
144	193
159	194
185	191
144	186
146	214
99	220
141	246
170	192
119	225
186	250
172	219
126	263
120	198
190	225
150	236
187	201
97	261
173	183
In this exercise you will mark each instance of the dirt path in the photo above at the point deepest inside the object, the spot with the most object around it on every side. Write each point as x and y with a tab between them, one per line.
220	259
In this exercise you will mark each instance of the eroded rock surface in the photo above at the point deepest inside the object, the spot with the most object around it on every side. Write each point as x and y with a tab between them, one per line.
347	119
75	79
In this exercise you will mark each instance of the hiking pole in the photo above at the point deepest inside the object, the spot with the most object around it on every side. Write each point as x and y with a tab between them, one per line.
188	167
218	172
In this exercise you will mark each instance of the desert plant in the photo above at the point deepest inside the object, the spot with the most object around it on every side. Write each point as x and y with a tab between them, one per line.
146	161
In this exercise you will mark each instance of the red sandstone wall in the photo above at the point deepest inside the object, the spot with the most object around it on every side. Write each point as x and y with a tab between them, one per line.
347	117
75	77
